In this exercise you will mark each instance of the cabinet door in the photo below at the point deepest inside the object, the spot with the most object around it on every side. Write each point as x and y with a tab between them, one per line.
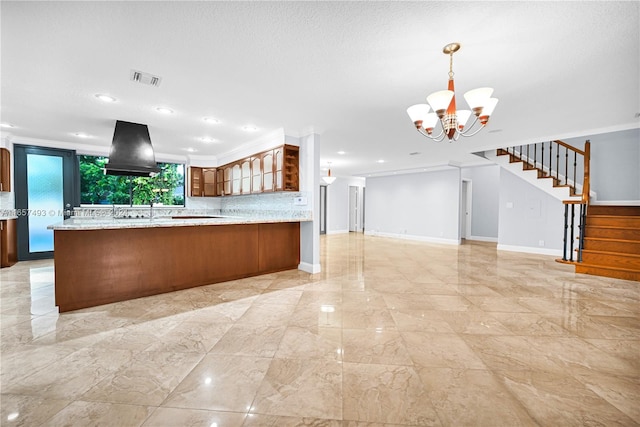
209	182
236	176
290	173
245	167
195	181
220	182
8	243
256	175
5	170
279	162
267	171
227	180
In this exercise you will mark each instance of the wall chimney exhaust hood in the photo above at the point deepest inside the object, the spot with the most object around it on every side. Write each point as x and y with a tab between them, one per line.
131	151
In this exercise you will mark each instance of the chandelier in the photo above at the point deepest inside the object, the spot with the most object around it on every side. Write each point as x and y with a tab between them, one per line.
453	122
329	179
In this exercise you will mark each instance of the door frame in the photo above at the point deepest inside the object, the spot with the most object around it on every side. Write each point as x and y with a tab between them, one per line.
71	191
466	211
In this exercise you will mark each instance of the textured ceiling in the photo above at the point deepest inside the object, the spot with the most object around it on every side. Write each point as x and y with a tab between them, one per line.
347	70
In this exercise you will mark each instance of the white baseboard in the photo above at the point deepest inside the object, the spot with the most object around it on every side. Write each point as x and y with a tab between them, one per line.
530	250
310	268
337	231
412	237
484	239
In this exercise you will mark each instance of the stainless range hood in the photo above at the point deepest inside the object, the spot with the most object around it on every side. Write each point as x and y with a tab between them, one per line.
131	151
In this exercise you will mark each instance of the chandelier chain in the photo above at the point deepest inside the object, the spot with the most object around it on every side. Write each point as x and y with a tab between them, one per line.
451	66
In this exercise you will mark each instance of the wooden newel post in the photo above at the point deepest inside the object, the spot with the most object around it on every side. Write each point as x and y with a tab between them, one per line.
586	187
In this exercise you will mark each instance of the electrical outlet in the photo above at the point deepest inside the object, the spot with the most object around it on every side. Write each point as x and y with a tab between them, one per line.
540	242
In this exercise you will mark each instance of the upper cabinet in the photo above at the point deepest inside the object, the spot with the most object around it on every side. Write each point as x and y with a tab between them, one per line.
209	182
272	170
5	170
195	181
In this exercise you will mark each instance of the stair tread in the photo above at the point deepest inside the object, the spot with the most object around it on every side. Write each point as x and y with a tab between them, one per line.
596	251
607	267
613	216
612	226
610	239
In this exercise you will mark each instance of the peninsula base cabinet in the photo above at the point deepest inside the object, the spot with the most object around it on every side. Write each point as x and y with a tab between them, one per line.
101	266
8	243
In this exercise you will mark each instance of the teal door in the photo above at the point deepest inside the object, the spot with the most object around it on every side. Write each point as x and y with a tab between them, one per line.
45	194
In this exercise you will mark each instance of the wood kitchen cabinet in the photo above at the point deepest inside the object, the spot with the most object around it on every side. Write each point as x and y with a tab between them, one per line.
256	174
272	170
245	170
209	182
5	170
219	182
286	168
267	171
8	243
195	182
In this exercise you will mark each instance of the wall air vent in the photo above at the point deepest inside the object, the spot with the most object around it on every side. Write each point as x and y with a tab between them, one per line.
144	78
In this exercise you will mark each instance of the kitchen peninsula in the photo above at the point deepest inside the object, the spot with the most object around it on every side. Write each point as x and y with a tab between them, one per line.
105	260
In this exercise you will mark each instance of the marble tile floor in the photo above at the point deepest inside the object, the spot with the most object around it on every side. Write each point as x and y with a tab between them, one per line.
391	333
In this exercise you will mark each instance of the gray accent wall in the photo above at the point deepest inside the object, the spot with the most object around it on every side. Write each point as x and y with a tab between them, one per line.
423	206
615	164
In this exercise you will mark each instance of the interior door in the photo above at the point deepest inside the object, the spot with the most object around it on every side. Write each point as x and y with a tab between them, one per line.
46	192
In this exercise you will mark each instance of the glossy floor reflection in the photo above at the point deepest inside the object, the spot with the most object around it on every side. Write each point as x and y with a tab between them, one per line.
391	333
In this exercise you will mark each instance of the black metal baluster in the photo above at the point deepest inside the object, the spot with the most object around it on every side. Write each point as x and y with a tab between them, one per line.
535	155
558	163
583	219
542	157
566	165
551	159
573	214
564	239
575	167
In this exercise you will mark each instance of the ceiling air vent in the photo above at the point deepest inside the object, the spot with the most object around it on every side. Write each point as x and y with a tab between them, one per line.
145	78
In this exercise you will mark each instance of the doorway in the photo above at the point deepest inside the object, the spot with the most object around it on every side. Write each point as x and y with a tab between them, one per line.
46	192
323	209
355	211
465	210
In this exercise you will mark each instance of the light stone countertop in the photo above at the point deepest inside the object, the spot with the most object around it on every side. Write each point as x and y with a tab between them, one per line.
120	223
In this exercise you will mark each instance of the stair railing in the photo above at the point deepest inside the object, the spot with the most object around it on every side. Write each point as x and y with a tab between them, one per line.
568	167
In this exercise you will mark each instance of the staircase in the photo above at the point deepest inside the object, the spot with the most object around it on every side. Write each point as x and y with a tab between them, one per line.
611	242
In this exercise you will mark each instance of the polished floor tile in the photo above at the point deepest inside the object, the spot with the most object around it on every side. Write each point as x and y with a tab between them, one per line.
391	333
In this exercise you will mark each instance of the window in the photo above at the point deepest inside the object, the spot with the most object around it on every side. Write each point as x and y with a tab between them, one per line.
96	188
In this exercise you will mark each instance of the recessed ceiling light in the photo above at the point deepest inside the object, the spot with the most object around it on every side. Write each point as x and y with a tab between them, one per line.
105	98
164	110
341	152
82	135
191	150
6	125
250	128
380	161
211	120
207	139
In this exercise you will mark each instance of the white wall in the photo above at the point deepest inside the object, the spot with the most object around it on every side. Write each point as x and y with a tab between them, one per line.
423	206
530	220
485	189
338	203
